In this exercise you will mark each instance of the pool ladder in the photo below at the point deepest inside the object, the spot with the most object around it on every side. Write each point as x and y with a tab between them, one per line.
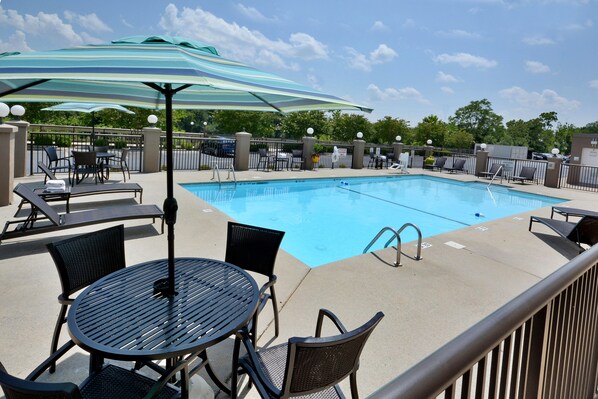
397	235
216	173
494	176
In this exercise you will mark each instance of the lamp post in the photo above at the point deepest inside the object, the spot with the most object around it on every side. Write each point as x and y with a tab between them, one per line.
483	146
192	124
359	135
18	111
205	127
555	152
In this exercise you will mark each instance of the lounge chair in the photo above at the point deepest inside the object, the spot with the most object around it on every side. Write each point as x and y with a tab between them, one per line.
585	231
437	165
53	221
402	165
83	190
526	173
308	367
495	170
56	163
458	165
566	212
297	159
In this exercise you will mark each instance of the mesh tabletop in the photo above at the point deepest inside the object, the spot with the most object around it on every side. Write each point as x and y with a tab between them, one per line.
120	317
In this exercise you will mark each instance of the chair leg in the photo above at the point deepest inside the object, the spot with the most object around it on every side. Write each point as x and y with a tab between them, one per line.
59	322
234	375
128	171
275	309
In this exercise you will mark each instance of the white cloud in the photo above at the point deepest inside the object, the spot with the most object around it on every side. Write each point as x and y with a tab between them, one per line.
409	24
314	81
594	84
253	13
547	99
388	94
89	21
379	26
239	42
536	67
382	54
47	26
447	90
579	27
446	78
538	41
460	34
466	60
16	42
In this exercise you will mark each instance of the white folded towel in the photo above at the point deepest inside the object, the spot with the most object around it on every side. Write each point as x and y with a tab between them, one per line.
55	185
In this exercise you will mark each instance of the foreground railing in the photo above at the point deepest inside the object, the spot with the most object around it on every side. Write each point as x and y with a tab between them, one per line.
542	344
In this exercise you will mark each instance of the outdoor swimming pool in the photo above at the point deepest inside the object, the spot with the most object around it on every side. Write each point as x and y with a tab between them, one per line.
331	219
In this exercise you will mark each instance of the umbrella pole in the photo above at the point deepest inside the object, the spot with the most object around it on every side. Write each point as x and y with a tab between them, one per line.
170	203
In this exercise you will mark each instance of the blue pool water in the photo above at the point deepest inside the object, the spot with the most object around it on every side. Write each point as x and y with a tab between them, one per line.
330	219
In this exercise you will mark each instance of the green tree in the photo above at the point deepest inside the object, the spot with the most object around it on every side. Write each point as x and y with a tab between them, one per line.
563	137
388	128
295	124
430	128
344	127
480	121
517	133
259	124
455	137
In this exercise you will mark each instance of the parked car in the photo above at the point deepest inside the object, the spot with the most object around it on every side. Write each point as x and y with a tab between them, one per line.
219	146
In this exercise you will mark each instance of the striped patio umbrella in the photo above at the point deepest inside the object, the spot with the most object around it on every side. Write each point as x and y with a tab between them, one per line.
157	72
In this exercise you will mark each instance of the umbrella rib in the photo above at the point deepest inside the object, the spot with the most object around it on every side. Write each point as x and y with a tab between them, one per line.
28	85
266	102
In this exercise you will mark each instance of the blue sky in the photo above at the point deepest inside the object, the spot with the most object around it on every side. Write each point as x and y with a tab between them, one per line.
405	59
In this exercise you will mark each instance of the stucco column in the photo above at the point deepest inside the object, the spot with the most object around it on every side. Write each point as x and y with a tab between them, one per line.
397	149
553	169
481	162
20	147
308	150
7	164
358	147
151	149
242	144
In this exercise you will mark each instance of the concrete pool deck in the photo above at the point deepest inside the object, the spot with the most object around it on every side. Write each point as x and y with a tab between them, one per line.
426	303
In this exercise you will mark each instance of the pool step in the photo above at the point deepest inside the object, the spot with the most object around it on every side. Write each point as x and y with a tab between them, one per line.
397	236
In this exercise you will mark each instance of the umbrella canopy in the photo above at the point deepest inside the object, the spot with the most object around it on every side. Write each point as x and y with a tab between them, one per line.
86	107
159	72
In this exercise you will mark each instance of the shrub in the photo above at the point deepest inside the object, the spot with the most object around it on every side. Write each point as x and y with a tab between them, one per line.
256	147
101	142
63	141
204	167
43	139
120	144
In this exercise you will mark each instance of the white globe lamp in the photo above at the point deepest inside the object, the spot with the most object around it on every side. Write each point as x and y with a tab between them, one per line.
18	111
359	135
398	139
152	120
310	131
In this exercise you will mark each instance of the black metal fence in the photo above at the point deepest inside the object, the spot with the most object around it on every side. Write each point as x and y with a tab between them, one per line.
195	152
579	177
542	344
512	167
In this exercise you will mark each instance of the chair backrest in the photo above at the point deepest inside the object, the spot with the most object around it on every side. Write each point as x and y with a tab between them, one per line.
459	164
49	174
496	169
85	158
528	172
404	159
252	248
16	388
586	231
314	364
263	152
440	162
35	200
297	153
123	154
83	259
101	148
51	152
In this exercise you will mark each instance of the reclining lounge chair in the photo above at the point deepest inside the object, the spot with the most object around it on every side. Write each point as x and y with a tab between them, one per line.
576	212
437	165
585	231
527	173
34	224
84	190
458	165
495	169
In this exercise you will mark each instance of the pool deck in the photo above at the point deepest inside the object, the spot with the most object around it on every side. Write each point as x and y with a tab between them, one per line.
426	303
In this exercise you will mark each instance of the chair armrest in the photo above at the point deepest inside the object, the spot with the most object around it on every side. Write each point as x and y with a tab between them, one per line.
332	317
261	380
50	361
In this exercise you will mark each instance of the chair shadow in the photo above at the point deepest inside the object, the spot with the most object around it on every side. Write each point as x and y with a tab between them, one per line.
563	246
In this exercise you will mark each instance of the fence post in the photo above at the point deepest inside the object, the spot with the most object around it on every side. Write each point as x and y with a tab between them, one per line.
481	162
358	147
553	171
242	150
20	147
308	150
151	149
7	165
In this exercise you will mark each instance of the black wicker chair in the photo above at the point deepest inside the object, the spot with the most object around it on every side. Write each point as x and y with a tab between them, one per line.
255	248
297	159
119	163
82	260
86	163
307	367
56	163
108	383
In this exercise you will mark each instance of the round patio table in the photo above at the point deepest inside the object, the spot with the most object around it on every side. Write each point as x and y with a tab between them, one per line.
120	317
